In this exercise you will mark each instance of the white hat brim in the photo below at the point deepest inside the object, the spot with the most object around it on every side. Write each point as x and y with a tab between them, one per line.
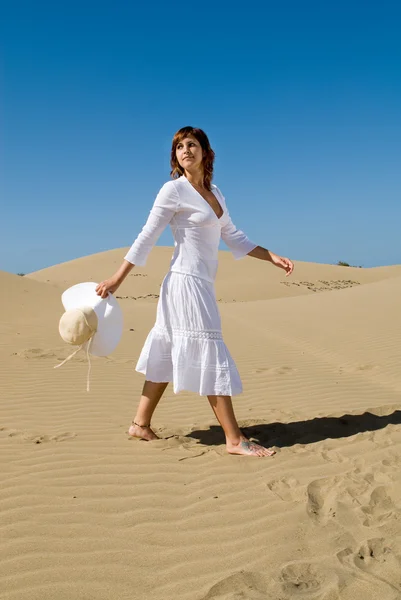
108	311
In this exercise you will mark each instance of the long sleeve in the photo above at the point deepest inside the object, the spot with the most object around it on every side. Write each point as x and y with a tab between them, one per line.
239	244
162	212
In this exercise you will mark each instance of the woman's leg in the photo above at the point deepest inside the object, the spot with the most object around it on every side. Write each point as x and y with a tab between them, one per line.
236	442
151	394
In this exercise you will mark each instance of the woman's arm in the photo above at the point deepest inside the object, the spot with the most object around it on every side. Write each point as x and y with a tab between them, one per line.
240	245
163	210
123	271
237	241
278	261
262	253
113	283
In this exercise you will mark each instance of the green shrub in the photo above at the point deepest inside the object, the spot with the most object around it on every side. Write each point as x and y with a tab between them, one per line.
341	263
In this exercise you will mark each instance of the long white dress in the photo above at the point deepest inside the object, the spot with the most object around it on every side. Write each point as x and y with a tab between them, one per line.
185	345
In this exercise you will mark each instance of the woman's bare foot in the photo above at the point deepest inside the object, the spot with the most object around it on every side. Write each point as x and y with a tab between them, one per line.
142	432
249	448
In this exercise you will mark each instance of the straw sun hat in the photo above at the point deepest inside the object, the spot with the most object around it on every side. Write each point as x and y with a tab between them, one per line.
90	321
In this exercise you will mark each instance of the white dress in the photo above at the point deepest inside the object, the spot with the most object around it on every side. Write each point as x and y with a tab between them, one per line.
185	346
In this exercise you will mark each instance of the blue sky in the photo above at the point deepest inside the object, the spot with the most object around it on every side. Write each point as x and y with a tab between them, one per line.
301	102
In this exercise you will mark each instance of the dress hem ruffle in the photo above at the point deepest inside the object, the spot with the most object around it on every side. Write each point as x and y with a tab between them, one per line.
190	363
185	346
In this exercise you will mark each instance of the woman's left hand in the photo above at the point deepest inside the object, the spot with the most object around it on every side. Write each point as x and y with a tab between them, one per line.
283	263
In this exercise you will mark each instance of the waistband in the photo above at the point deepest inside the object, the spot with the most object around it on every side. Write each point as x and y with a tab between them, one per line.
174	270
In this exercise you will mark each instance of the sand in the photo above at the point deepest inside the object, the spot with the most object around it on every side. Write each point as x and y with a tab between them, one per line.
87	513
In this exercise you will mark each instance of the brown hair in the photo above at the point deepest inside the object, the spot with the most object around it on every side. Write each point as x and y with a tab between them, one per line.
208	154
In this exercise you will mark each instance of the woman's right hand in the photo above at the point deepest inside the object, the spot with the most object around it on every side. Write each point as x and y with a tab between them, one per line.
106	286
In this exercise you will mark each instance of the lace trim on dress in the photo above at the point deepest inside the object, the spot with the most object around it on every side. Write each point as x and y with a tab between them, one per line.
211	334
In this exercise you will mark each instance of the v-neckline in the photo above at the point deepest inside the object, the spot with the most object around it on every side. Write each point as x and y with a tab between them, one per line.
204	199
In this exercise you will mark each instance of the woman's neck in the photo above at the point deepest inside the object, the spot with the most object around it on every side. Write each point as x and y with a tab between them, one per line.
195	179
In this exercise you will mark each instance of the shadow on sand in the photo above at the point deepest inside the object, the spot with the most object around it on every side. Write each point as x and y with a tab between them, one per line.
302	432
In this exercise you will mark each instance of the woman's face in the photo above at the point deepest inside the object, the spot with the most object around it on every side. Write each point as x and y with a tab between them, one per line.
189	154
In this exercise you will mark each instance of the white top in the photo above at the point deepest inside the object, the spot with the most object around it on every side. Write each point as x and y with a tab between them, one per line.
196	229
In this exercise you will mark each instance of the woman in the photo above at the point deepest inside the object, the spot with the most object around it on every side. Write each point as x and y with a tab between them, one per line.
185	345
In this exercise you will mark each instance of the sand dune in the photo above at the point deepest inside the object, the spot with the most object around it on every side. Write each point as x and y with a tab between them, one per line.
88	513
242	280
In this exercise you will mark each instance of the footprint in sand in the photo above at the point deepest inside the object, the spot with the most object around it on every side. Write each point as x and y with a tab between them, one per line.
392	464
244	585
381	438
41	353
262	370
308	580
190	448
34	353
343	497
375	559
359	368
322	499
36	438
331	455
282	370
381	508
60	437
296	579
287	489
